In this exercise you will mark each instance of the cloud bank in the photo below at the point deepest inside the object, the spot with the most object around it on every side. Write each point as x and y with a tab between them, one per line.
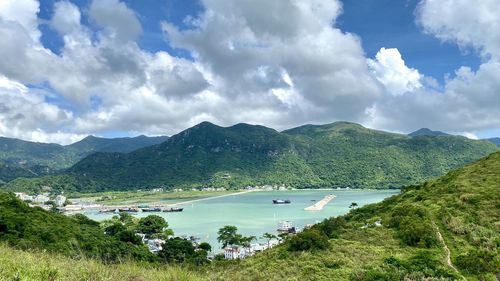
248	63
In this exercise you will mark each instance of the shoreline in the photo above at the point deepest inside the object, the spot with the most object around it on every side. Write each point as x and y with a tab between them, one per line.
209	198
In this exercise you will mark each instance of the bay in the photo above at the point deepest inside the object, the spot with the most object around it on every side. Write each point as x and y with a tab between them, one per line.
254	214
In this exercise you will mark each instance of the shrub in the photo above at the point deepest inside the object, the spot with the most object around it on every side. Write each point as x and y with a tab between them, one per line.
417	233
308	240
478	261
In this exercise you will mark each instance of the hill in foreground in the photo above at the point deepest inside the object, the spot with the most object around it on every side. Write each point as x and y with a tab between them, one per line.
340	154
445	229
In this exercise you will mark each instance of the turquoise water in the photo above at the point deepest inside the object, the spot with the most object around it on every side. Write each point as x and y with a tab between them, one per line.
254	214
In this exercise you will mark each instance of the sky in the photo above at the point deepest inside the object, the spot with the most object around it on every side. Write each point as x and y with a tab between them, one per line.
114	68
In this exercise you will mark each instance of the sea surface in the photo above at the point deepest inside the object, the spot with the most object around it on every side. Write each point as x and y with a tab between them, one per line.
254	214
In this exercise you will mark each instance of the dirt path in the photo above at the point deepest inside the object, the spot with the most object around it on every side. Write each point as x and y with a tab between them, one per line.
447	251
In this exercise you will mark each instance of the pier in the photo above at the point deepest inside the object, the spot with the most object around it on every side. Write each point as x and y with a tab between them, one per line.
318	206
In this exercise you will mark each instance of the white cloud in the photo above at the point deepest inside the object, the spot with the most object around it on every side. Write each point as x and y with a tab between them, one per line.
25	114
247	46
468	23
251	63
390	69
118	21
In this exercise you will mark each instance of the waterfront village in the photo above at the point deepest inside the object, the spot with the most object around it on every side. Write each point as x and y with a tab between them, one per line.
60	203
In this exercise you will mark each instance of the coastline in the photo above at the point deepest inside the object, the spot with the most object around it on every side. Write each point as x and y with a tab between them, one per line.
209	198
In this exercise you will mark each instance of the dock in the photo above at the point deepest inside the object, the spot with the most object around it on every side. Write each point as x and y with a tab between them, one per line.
318	206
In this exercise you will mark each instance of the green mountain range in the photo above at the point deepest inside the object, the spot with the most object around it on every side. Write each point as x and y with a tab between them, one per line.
20	158
340	154
494	140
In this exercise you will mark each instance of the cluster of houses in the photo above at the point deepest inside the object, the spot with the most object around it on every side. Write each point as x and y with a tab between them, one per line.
268	187
41	200
237	252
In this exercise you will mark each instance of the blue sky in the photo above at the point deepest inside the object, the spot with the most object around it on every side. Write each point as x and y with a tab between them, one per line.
129	67
381	23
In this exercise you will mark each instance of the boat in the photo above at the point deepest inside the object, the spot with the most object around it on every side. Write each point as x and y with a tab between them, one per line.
287	227
128	210
107	211
281	201
173	210
151	209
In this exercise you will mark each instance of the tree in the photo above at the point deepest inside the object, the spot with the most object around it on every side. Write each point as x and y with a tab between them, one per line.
245	241
205	246
228	236
177	250
151	224
269	236
353	205
309	240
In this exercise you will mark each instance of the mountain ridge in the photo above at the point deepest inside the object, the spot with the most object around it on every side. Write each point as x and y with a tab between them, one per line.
339	154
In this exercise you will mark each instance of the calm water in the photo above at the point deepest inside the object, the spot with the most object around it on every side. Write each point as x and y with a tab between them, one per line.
254	214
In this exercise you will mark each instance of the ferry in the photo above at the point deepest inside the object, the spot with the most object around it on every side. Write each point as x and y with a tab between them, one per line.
173	210
281	201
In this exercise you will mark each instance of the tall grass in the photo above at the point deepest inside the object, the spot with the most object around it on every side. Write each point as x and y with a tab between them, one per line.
36	265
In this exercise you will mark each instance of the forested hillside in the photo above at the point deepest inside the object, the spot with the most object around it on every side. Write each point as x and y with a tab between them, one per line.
20	158
340	154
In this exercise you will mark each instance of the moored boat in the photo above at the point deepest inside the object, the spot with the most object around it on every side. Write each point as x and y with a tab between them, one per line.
128	210
281	201
107	210
173	210
151	209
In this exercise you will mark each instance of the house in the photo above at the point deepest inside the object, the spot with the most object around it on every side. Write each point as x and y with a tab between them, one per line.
60	200
40	198
23	196
232	253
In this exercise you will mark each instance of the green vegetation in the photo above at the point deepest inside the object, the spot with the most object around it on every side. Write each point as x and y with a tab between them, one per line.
37	265
459	211
405	237
20	158
335	155
229	236
34	228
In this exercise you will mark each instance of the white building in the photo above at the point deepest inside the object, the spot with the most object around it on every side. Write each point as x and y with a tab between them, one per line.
40	198
23	196
60	200
232	253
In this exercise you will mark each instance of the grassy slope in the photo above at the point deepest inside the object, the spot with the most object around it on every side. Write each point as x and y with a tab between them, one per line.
464	205
30	265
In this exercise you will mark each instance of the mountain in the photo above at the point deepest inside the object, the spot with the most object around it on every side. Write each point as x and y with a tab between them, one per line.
494	140
20	158
340	154
444	229
122	145
427	132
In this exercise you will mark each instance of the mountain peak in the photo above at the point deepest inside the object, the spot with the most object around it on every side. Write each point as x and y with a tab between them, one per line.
312	129
427	132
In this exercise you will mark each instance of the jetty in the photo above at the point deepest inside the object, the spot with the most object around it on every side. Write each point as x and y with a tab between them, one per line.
318	206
